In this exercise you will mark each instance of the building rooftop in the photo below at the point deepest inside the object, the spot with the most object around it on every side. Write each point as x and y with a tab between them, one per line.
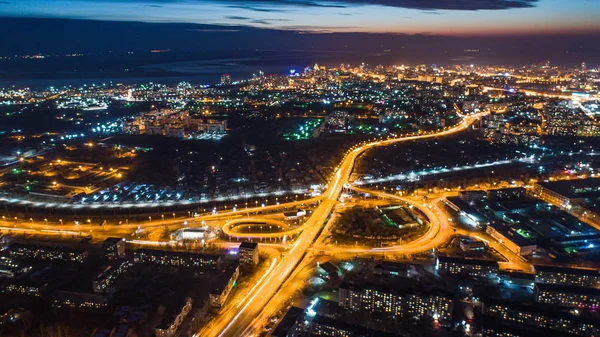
517	275
78	297
329	268
355	329
500	328
475	262
172	312
405	286
112	241
287	322
567	270
248	245
568	289
223	279
16	246
577	188
520	236
550	311
177	254
465	207
518	204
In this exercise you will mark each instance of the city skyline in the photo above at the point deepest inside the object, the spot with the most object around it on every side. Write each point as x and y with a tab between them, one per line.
403	189
306	168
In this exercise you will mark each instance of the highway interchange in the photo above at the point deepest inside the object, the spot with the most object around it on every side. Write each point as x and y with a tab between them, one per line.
258	299
270	288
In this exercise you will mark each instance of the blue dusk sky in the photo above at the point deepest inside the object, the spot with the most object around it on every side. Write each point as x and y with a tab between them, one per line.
430	17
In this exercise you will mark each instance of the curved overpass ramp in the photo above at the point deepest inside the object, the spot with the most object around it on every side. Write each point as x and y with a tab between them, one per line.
230	228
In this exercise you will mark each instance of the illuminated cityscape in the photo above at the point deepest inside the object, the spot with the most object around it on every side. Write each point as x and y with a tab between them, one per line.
321	202
250	168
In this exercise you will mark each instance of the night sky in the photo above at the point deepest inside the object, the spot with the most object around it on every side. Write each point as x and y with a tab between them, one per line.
535	28
438	17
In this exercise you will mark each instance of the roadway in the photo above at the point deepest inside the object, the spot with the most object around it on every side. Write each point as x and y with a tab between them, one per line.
440	231
252	303
235	228
257	300
85	228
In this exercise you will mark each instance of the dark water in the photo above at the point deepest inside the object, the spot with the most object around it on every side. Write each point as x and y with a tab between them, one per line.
193	67
168	68
207	68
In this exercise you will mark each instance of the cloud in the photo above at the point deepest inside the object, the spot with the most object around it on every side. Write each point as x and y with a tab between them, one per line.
427	5
467	5
237	18
261	22
214	30
256	21
257	9
319	29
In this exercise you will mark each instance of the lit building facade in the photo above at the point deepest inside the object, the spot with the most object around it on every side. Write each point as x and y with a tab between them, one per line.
248	253
225	283
176	259
398	303
114	248
11	268
78	301
520	315
567	276
171	323
24	287
104	282
567	296
48	253
471	267
437	307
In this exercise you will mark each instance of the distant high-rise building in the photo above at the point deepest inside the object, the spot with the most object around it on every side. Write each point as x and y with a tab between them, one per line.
248	254
226	79
114	248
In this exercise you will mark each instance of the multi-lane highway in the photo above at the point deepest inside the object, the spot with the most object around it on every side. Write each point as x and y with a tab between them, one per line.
86	228
256	301
237	319
440	231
